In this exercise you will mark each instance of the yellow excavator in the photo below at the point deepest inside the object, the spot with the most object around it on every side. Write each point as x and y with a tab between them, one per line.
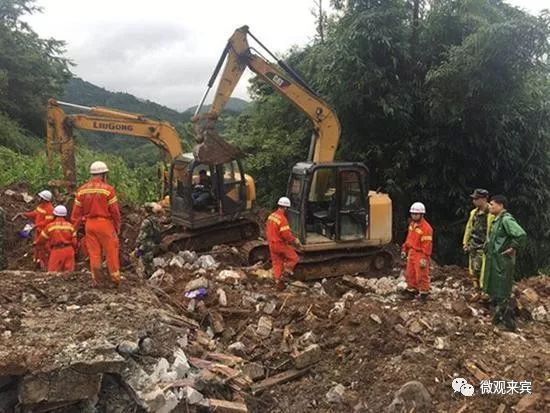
343	227
227	195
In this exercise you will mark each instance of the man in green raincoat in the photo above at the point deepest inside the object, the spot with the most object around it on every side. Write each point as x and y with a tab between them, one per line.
506	238
476	233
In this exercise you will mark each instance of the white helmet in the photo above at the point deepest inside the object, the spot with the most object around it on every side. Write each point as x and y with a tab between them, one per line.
60	211
417	208
98	167
45	195
284	202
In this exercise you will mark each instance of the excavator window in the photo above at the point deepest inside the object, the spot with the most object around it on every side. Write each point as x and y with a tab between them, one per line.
321	209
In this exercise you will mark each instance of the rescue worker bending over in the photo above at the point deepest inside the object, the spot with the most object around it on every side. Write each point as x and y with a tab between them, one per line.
59	236
202	195
42	215
417	250
96	203
477	230
149	237
280	237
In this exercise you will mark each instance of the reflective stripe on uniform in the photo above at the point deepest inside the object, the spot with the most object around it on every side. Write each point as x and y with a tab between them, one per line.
426	238
274	219
112	201
91	191
285	228
418	231
61	228
42	211
77	202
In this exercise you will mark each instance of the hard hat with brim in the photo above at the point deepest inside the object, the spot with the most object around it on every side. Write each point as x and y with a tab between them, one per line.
480	193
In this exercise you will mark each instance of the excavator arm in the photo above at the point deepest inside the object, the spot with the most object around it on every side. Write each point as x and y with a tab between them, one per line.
100	119
238	55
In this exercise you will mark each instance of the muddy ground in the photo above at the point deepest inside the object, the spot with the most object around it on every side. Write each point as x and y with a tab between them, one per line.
366	338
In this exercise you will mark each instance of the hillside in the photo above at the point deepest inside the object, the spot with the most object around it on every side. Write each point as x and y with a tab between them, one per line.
235	105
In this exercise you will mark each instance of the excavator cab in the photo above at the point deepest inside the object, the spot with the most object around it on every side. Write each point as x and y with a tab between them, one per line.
329	202
206	194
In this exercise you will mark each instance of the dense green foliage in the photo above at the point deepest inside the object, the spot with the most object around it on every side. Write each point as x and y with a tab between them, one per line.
31	68
435	102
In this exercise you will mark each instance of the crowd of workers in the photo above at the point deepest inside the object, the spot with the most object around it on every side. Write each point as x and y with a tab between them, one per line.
492	239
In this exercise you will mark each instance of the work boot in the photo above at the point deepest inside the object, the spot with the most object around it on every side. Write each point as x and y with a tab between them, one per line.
280	284
409	293
423	297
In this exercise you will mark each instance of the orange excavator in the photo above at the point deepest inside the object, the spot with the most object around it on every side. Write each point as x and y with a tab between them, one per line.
343	227
227	195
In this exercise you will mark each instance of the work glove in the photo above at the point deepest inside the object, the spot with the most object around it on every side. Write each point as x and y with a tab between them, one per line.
423	263
403	255
297	243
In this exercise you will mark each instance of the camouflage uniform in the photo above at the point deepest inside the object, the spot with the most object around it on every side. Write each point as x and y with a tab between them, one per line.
477	230
148	241
3	260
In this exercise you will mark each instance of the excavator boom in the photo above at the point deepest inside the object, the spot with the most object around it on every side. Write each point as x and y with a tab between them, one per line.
237	56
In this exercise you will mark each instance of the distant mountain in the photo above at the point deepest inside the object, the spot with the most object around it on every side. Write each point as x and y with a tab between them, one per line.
235	105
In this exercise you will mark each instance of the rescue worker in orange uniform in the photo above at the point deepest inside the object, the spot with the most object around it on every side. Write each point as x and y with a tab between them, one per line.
42	215
280	238
96	204
417	250
60	239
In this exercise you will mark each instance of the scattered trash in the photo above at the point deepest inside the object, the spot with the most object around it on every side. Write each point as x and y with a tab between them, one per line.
198	293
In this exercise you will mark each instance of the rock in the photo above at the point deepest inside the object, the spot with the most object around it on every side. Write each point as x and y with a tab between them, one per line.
6	335
336	394
160	373
229	276
158	401
180	365
159	262
222	297
269	307
312	354
26	197
127	347
376	318
417	354
192	396
9	192
461	309
307	339
188	256
337	312
527	402
261	273
73	307
177	261
207	262
62	299
264	326
415	327
442	343
254	371
540	314
412	396
217	323
146	346
157	277
195	284
237	348
191	306
400	329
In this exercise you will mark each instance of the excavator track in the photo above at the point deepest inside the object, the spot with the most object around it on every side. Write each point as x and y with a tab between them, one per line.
369	261
177	238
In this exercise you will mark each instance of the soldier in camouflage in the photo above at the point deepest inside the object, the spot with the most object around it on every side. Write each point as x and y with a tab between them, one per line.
475	235
149	237
3	260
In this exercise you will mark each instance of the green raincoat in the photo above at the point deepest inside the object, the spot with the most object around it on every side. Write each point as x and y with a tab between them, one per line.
499	269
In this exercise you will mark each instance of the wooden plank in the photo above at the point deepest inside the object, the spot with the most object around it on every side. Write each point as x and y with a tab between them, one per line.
234	310
224	406
225	358
277	379
472	367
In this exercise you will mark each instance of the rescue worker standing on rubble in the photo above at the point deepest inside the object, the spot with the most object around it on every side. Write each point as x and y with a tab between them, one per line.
60	238
280	238
42	215
506	238
96	203
417	250
3	261
476	233
149	237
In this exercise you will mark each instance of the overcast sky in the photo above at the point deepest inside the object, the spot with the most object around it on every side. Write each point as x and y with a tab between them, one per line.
165	50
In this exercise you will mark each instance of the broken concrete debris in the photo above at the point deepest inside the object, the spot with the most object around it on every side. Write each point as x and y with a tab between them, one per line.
412	396
336	394
310	355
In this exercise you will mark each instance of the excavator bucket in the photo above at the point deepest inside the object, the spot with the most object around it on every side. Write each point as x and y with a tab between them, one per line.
211	147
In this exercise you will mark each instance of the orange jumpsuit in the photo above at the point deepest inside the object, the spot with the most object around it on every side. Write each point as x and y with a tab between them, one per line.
96	203
60	238
279	236
42	216
418	245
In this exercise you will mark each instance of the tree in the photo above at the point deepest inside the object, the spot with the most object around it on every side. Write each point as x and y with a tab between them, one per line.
32	69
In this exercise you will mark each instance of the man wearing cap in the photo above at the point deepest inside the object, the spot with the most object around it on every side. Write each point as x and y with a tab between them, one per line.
96	204
59	236
42	215
280	238
149	237
476	233
417	250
